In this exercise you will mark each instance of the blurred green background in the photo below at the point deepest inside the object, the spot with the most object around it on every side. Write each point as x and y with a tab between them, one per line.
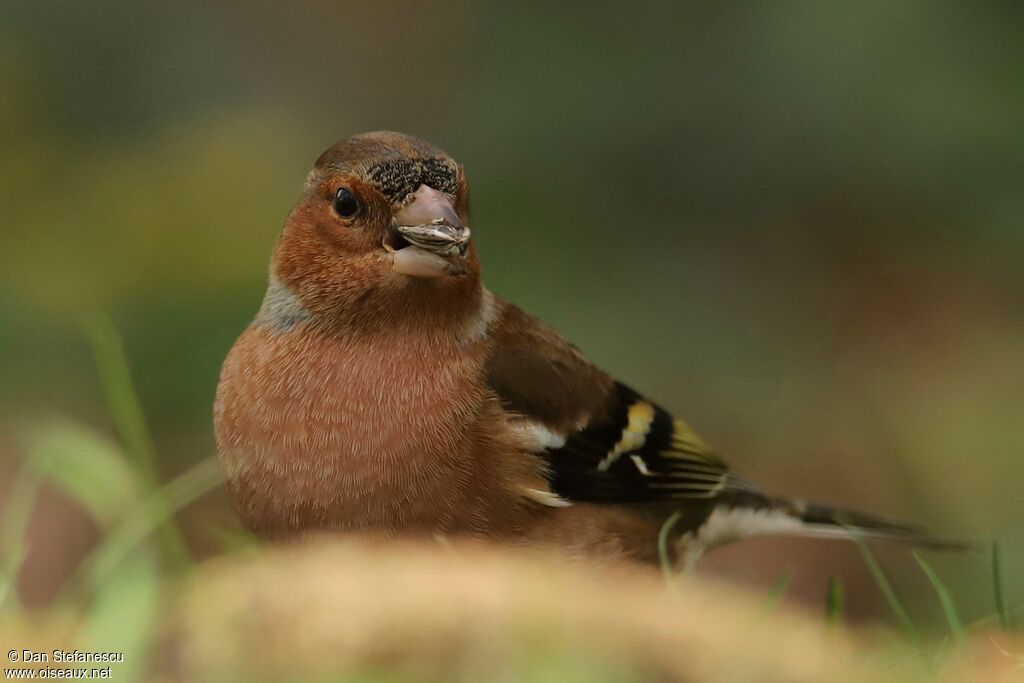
797	224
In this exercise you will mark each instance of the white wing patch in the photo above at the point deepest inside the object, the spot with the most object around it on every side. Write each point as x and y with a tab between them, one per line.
537	437
547	498
640	465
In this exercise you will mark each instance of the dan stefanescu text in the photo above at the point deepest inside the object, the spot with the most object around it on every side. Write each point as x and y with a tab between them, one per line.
76	656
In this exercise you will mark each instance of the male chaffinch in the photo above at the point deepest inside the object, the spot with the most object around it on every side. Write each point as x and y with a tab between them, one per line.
381	388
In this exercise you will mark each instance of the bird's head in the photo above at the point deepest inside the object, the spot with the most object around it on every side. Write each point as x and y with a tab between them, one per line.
380	228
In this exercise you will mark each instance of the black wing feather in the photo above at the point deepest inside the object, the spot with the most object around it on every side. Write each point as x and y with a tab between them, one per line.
638	453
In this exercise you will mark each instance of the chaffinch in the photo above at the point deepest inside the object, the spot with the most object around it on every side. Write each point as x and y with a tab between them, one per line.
382	388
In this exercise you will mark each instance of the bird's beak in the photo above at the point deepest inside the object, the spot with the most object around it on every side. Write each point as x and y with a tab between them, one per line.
427	237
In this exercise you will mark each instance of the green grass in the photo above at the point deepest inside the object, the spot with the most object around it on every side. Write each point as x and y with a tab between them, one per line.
1006	621
1003	614
834	601
116	482
143	521
885	586
116	589
24	492
664	556
126	410
777	590
945	598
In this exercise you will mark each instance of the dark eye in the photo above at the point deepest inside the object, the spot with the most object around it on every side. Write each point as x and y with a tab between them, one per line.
345	203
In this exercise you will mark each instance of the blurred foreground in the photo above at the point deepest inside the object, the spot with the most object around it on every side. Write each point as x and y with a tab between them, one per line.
332	610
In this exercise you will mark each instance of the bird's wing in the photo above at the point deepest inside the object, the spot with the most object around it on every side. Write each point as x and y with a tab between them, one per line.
602	441
605	443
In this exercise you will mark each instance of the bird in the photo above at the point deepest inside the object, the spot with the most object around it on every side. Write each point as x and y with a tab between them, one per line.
382	389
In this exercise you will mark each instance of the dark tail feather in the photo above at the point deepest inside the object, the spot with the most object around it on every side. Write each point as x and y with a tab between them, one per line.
827	521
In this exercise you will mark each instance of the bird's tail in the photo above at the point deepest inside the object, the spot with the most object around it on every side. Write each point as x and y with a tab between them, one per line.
829	522
745	511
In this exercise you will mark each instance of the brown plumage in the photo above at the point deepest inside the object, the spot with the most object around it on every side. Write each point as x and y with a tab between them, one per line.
383	389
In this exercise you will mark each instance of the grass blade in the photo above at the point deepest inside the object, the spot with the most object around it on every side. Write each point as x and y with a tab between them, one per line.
126	409
84	465
154	512
23	495
663	555
886	587
238	540
945	599
125	614
80	463
777	590
834	601
1005	617
122	398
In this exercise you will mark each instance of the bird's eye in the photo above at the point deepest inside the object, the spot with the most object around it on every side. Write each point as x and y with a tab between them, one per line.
345	203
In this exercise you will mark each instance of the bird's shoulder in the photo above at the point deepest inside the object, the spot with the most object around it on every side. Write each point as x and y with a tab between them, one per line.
539	374
602	441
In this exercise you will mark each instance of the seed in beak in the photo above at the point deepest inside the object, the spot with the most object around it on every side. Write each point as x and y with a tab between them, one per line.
437	237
